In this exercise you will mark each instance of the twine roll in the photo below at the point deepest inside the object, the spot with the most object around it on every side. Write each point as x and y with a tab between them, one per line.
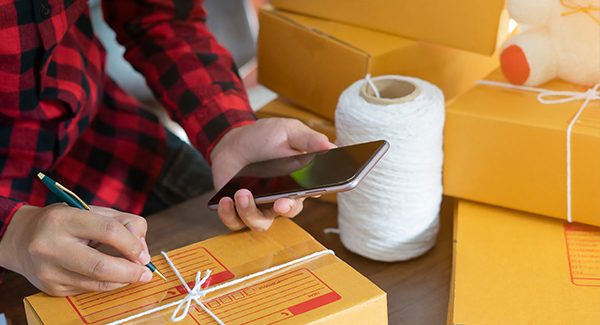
393	215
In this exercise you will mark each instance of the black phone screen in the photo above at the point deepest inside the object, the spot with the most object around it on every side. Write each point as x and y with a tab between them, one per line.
301	172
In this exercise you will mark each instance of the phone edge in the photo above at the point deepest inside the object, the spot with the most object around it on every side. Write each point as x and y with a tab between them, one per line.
351	184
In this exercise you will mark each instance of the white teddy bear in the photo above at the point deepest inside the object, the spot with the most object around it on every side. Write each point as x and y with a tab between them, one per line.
561	39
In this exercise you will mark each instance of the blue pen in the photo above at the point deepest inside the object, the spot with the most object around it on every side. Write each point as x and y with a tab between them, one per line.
73	200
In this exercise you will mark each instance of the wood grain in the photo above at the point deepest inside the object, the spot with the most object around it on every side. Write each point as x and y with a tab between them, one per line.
418	290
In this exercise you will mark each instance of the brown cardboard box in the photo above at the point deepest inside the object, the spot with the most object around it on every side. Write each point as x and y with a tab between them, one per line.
323	290
516	268
281	108
467	24
311	61
504	148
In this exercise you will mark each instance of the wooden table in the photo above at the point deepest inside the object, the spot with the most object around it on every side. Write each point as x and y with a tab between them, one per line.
418	290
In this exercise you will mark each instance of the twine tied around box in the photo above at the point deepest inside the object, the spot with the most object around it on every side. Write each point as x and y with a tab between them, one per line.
547	96
197	292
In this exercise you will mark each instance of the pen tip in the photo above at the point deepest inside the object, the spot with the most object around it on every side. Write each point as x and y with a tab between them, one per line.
40	175
160	275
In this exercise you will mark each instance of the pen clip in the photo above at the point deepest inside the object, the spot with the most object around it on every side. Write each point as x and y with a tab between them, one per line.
66	190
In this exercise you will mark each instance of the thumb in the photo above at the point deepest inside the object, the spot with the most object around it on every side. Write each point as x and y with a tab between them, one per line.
302	138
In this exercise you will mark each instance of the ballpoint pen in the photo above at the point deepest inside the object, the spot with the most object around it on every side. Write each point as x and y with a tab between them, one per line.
74	201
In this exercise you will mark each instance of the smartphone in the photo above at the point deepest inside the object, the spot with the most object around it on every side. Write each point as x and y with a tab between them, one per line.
330	171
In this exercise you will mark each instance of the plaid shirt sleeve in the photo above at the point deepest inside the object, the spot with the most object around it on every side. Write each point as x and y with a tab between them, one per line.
8	207
193	76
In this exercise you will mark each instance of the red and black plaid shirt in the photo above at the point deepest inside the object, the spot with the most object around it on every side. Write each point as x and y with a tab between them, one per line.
60	113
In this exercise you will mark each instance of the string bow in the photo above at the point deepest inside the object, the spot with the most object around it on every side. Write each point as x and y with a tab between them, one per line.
559	97
547	96
194	294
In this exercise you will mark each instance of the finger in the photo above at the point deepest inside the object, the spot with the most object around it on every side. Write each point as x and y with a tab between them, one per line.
135	224
228	216
76	283
288	207
249	213
93	264
108	230
302	138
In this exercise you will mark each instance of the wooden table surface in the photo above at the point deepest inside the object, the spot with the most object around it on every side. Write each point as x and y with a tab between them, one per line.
418	290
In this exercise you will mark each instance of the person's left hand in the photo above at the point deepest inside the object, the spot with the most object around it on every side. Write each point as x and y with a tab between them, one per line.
266	139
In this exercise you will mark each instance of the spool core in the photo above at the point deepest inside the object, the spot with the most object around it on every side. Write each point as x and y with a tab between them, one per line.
391	91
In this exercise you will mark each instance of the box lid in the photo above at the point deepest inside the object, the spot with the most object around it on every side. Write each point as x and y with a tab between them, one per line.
466	24
517	268
523	108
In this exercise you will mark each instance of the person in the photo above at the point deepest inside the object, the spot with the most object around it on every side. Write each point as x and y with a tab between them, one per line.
62	115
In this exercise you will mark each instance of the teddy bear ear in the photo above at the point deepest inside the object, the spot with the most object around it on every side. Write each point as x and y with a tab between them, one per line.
532	12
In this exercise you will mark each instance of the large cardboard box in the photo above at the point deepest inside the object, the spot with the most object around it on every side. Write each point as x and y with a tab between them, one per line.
311	61
283	108
280	107
467	24
322	290
516	268
505	148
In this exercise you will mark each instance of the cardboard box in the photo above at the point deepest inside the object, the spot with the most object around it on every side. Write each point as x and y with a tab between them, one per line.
311	61
504	148
323	290
516	268
282	108
466	24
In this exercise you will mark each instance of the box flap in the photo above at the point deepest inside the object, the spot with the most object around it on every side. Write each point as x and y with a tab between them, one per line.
363	40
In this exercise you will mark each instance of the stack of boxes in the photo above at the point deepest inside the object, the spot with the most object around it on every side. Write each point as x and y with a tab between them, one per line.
505	148
502	147
309	61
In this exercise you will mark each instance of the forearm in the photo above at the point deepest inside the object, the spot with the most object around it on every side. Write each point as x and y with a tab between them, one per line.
192	75
8	209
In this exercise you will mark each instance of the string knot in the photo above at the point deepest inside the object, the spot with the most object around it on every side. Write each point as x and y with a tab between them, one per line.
195	294
558	97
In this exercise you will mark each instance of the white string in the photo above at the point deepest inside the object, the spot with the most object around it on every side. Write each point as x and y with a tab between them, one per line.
331	231
546	96
393	215
196	293
372	85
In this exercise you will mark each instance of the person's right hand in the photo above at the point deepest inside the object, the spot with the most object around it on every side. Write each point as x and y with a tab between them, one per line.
50	247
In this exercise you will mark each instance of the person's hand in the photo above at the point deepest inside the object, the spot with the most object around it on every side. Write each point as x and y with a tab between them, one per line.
266	139
49	246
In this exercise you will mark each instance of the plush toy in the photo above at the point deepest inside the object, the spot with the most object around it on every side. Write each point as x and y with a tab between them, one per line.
561	39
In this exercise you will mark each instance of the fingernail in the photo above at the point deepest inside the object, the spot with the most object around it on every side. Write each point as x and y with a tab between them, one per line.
146	276
228	205
144	257
244	201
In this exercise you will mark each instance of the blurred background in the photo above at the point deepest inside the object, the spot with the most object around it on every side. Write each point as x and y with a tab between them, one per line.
233	22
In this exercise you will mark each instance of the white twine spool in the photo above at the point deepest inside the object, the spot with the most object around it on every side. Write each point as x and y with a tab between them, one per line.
393	215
